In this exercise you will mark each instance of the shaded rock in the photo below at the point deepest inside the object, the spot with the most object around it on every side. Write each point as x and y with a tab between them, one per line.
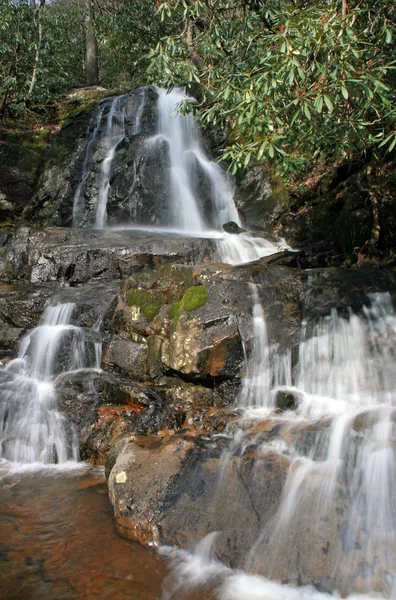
326	289
6	208
9	341
126	355
22	305
76	256
232	227
287	400
53	203
336	218
260	199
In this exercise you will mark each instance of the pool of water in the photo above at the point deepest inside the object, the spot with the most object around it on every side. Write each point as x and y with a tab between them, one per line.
58	541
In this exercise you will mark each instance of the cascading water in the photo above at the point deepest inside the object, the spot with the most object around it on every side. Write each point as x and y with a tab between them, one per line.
197	193
338	501
345	479
32	429
337	431
114	134
182	136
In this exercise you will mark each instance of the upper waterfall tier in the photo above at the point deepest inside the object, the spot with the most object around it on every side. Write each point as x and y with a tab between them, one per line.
144	164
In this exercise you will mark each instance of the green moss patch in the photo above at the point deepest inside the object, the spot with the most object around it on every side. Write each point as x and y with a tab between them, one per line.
148	302
193	298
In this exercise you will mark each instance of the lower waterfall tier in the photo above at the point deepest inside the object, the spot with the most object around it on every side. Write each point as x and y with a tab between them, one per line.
256	401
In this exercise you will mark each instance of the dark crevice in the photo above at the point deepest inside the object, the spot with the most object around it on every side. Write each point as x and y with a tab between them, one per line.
203	379
246	487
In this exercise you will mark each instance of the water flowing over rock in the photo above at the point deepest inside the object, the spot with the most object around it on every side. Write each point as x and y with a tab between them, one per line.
32	430
143	165
239	402
315	458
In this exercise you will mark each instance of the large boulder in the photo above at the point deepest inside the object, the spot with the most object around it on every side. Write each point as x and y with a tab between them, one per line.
166	490
196	322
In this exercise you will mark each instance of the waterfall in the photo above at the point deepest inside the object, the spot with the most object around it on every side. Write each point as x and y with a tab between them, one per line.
197	195
345	384
139	112
187	158
114	134
338	501
182	136
31	428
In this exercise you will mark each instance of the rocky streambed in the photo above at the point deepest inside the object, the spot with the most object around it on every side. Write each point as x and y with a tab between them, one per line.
176	331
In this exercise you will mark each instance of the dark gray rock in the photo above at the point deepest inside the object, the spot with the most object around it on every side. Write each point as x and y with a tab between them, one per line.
179	499
232	227
76	256
260	198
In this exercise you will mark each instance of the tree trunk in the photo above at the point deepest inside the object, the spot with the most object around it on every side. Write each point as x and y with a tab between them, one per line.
37	10
190	44
92	64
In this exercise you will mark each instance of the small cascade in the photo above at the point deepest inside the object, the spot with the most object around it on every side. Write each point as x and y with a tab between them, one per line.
136	128
31	428
266	368
114	134
97	343
335	524
244	248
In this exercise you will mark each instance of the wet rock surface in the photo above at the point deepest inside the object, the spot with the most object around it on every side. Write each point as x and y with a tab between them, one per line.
75	256
181	497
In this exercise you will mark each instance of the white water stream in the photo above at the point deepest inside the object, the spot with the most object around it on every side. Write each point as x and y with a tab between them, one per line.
32	430
115	131
200	196
339	499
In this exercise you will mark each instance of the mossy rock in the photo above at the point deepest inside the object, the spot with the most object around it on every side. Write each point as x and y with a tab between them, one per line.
193	298
149	302
232	227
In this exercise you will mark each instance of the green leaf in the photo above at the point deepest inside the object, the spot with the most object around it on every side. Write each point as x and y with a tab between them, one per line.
328	102
344	92
319	104
307	113
247	160
271	151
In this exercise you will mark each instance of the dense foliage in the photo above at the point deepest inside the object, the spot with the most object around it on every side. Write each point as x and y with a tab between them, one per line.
45	41
291	80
